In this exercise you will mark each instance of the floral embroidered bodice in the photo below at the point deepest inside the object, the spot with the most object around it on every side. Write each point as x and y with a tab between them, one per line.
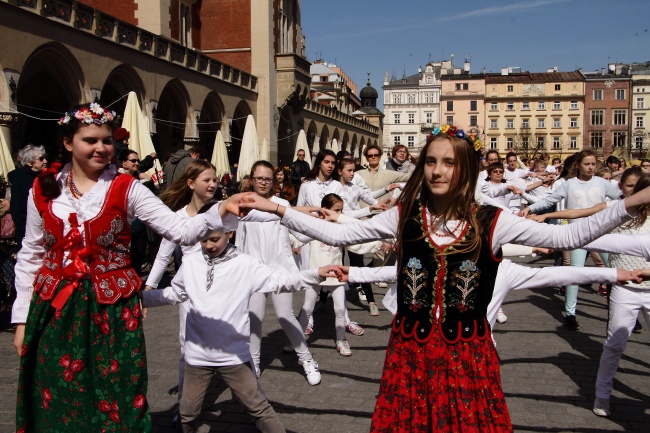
441	290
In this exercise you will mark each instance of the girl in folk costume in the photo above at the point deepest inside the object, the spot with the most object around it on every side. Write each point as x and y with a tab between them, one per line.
441	371
83	363
193	190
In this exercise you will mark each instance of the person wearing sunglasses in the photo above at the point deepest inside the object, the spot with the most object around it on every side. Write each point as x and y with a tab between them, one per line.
33	160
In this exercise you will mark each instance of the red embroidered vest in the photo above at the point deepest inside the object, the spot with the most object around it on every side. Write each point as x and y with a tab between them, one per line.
105	256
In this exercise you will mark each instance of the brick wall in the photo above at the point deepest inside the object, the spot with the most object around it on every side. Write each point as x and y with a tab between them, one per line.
227	24
121	9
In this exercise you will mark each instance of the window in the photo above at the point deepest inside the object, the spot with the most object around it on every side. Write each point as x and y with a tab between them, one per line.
411	98
639	122
573	105
596	139
620	94
510	106
510	143
510	88
473	105
598	94
597	117
397	139
450	120
525	105
428	98
396	118
525	123
619	138
524	142
465	86
540	142
541	105
429	117
541	122
493	124
493	143
450	105
556	142
573	142
557	105
457	86
410	140
556	122
494	106
510	123
411	118
638	142
473	120
185	30
639	103
397	98
620	117
573	122
557	87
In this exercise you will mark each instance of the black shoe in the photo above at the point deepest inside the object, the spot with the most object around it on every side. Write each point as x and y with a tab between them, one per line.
570	322
637	327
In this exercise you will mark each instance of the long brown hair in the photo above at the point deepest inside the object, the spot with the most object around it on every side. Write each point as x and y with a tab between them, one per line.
179	194
458	203
641	211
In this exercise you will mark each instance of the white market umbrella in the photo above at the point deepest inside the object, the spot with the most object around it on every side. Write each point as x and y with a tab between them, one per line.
6	161
220	156
140	137
250	149
335	146
315	153
265	151
362	157
301	143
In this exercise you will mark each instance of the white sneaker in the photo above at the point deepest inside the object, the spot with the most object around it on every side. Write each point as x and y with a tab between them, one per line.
362	295
374	309
311	371
501	316
601	407
343	347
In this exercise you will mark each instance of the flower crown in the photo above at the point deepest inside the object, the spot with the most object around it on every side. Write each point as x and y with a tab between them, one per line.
92	114
471	138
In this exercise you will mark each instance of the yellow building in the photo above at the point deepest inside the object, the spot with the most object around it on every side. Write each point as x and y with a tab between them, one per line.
534	113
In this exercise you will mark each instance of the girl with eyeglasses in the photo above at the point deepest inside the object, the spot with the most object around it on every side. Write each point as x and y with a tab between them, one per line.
441	371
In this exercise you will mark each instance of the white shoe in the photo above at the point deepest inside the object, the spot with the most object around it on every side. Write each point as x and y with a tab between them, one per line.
343	347
501	316
601	407
382	285
311	372
374	309
362	295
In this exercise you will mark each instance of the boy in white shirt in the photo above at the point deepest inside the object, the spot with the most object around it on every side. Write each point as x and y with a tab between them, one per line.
219	281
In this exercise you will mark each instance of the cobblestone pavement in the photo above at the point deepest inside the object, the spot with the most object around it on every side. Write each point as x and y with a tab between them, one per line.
548	372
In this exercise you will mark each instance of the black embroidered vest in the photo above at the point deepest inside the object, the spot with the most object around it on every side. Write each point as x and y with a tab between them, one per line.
453	284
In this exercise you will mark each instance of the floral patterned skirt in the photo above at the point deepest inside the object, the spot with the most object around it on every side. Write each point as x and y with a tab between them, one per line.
440	387
83	369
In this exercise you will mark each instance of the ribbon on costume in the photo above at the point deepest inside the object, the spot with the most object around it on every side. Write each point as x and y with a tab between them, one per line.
77	269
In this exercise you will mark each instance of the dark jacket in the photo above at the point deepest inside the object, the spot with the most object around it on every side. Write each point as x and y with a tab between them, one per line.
21	180
299	169
175	167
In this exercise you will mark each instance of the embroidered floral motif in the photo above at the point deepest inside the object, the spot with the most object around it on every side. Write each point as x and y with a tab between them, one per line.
415	280
111	256
465	279
49	238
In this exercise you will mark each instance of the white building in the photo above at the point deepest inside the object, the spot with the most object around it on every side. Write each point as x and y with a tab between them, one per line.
412	107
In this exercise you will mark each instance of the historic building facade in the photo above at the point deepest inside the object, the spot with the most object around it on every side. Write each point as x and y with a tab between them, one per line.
640	110
195	66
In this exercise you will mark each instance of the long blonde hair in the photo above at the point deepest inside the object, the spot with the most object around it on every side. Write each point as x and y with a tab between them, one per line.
458	203
179	193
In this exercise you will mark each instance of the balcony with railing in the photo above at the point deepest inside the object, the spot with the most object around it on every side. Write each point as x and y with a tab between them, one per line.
95	22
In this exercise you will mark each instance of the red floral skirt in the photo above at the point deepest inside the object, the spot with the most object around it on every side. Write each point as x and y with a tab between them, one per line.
440	387
83	369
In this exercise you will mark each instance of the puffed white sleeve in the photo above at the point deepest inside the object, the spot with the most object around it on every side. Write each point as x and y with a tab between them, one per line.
382	226
509	228
275	280
175	294
143	204
28	262
372	275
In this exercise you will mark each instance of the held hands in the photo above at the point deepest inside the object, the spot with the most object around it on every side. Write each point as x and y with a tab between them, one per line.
624	276
379	206
333	271
641	274
537	218
524	212
514	189
392	186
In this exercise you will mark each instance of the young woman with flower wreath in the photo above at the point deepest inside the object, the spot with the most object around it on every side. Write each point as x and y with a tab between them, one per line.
441	371
79	334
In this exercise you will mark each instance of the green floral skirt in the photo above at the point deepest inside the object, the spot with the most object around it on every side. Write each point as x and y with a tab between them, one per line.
84	368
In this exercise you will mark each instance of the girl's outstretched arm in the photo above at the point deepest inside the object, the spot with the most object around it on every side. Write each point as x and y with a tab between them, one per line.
569	213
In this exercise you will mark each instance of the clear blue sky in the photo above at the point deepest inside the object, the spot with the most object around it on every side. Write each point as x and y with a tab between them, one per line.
390	35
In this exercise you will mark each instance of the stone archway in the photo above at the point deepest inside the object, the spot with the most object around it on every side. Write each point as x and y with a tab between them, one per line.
210	121
312	131
122	80
324	137
345	143
237	130
51	82
286	137
171	118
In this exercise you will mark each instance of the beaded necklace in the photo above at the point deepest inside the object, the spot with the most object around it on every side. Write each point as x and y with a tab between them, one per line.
433	223
72	187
